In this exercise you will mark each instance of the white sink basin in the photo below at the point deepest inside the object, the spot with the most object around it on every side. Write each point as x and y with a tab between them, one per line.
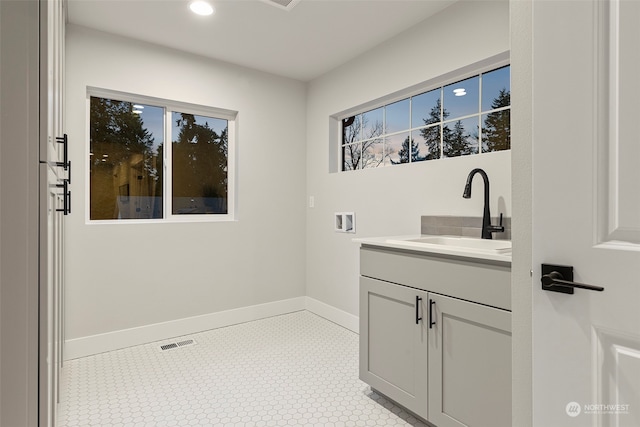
464	243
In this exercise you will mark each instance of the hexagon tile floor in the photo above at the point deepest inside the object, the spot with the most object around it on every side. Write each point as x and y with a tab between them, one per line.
296	369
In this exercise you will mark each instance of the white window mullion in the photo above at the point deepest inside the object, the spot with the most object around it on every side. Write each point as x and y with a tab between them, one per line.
231	169
411	123
480	114
441	122
360	141
168	169
384	132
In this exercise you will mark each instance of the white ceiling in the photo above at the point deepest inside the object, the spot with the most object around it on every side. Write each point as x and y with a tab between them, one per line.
312	38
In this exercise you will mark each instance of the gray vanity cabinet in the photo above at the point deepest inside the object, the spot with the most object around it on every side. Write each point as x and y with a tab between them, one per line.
426	342
469	364
393	345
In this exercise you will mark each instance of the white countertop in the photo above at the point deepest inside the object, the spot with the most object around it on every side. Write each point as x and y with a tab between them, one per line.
403	242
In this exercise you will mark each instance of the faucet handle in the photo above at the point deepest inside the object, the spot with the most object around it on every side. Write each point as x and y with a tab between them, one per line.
496	228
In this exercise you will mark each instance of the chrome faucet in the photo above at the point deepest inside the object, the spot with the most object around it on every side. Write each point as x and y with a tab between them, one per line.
487	228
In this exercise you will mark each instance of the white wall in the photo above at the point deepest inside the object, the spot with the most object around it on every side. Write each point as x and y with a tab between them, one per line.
123	276
126	276
390	201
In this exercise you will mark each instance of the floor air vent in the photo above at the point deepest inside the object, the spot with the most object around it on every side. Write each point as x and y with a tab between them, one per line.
172	345
168	346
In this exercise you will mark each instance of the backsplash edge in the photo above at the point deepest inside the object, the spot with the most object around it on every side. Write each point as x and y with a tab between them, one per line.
465	226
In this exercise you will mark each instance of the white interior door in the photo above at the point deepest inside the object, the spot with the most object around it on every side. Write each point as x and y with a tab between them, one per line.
586	211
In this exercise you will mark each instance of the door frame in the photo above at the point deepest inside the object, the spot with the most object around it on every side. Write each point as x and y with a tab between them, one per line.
521	14
522	287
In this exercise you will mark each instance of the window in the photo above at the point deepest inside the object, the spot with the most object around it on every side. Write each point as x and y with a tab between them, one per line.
134	176
467	117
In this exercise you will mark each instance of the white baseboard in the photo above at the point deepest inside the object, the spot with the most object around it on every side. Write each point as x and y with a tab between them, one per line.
329	312
95	344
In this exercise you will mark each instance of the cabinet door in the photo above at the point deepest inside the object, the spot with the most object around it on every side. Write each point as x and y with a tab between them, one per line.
393	342
469	364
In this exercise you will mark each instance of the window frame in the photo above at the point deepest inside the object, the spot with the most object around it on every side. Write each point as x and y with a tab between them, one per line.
336	160
168	106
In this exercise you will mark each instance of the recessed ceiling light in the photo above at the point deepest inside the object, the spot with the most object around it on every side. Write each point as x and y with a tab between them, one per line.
459	92
201	7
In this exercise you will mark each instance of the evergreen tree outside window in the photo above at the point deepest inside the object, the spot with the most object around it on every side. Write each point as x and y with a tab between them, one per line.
462	139
496	131
132	176
433	135
410	152
124	166
468	117
199	164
